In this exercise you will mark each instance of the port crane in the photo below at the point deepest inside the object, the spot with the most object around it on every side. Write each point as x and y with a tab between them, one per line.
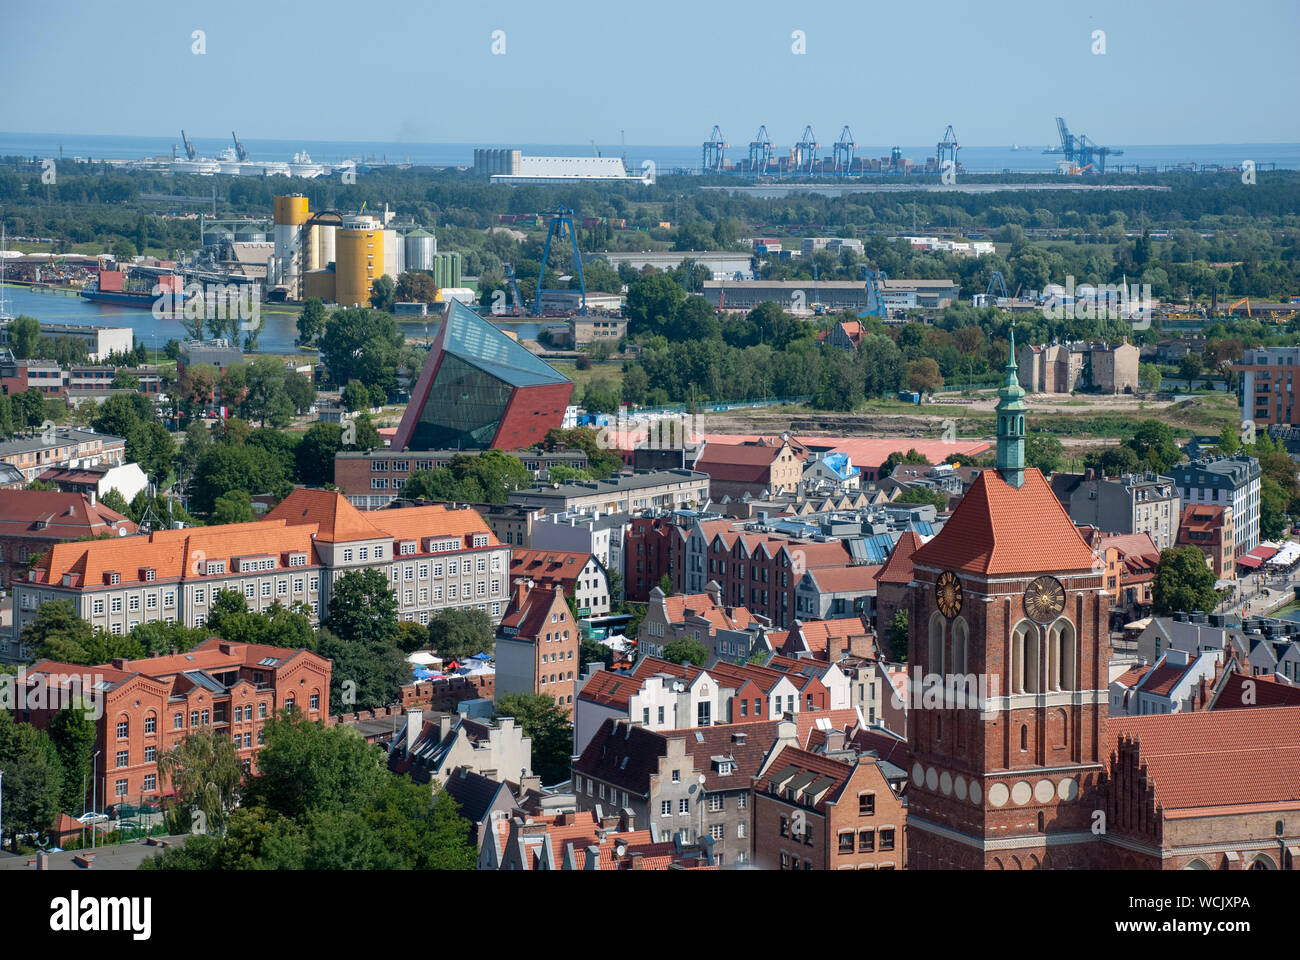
805	151
876	280
998	285
518	308
843	151
713	159
760	151
561	220
946	149
240	152
190	152
1081	152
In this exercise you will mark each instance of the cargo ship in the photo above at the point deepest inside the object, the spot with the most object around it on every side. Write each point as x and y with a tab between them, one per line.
120	288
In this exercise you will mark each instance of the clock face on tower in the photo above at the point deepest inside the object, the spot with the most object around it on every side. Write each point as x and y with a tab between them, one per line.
1044	599
948	594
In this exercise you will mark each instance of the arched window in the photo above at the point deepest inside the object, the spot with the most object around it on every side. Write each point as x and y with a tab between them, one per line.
935	663
1024	658
1063	653
1024	737
960	645
1040	821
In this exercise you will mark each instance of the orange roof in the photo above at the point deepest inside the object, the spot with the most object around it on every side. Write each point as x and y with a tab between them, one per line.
412	523
870	451
842	579
1217	759
721	617
997	529
898	568
336	519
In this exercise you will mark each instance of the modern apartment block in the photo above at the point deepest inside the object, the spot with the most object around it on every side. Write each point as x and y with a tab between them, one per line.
62	447
1268	385
1133	503
1225	481
146	707
433	557
624	493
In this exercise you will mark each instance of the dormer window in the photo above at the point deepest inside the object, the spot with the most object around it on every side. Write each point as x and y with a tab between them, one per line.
407	548
148	574
215	567
112	578
480	540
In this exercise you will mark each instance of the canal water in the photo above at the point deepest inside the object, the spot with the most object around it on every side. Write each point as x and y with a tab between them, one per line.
279	331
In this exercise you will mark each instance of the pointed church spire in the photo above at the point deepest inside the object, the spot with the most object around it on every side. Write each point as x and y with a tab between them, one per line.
1011	422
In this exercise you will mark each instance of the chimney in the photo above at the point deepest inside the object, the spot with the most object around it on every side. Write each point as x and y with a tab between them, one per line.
414	724
521	590
634	858
444	725
627	820
42	861
834	740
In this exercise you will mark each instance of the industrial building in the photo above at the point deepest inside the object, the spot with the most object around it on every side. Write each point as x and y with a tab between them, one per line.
337	257
723	264
835	295
480	390
511	166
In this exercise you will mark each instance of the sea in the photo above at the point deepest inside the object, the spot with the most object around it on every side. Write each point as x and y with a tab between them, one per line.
978	159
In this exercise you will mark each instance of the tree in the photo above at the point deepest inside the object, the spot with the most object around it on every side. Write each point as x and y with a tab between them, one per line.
547	725
923	375
383	293
593	651
356	396
233	507
205	773
33	782
365	676
73	735
1155	445
666	585
686	650
1044	452
417	287
652	303
898	632
307	767
924	495
1229	442
1189	366
228	466
300	391
311	322
1149	376
125	381
24	337
314	455
458	633
123	251
1184	581
363	608
362	344
265	397
895	458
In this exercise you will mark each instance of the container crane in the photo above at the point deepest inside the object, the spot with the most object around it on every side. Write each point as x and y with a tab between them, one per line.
946	149
876	280
713	159
805	151
1081	152
760	151
843	151
190	152
240	152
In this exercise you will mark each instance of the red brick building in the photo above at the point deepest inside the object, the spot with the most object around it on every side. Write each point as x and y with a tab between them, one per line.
146	707
537	645
1208	528
31	521
649	550
813	812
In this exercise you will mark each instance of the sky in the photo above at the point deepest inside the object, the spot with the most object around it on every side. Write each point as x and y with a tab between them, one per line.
662	71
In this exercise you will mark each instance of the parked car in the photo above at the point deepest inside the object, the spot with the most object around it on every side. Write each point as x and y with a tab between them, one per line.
86	819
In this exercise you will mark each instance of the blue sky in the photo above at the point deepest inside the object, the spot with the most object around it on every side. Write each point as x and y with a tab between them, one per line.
1174	71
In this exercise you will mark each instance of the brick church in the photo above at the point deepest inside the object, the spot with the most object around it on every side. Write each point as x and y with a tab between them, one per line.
1015	763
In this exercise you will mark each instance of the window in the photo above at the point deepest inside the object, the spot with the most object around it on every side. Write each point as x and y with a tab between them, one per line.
315	701
261	737
151	601
363	553
248	740
194	718
266	588
846	843
684	805
97	607
261	713
239	714
807	834
741	802
866	841
866	805
150	782
740	832
718	831
715	802
250	590
661	715
282	588
785	860
347	555
677	776
203	717
119	788
123	729
665	808
116	605
178	721
123	758
200	595
703	712
785	828
887	839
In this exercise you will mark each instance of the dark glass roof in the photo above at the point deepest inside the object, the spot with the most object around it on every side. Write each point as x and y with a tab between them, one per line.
476	341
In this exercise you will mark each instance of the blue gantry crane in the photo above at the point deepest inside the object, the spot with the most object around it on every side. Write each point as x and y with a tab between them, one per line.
946	149
714	158
805	151
560	220
875	293
760	151
843	150
1081	154
514	288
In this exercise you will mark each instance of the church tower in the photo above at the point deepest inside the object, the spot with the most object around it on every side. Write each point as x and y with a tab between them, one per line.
1008	673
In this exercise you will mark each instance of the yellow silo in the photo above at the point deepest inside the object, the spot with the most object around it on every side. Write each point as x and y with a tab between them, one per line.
290	214
358	258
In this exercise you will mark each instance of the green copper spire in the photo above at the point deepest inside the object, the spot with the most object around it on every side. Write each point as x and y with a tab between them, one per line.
1011	423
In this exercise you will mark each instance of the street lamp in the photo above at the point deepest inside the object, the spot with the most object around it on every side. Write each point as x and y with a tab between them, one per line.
94	788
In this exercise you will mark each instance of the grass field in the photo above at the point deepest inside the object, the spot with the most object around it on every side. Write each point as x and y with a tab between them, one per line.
612	372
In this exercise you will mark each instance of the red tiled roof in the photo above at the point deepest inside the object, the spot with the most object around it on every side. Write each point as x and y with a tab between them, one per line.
1131	544
335	518
1263	692
997	529
1215	759
871	452
837	771
817	634
898	568
846	578
530	617
548	565
49	514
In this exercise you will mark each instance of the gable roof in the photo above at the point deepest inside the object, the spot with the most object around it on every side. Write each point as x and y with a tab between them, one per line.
50	514
335	517
623	754
997	529
1213	759
898	568
844	579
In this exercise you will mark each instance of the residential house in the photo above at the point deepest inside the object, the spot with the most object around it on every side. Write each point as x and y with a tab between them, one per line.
428	750
537	645
766	466
1208	528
